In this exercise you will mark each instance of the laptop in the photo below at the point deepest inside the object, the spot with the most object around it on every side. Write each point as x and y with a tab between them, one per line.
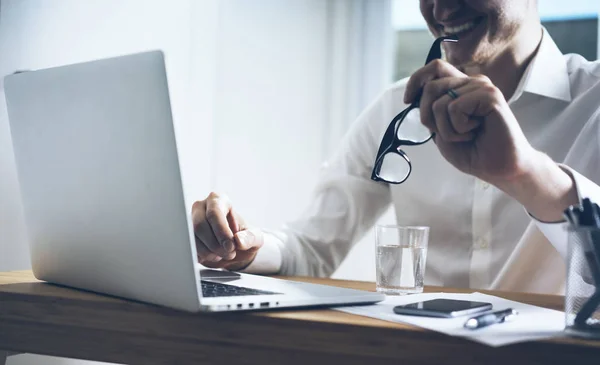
100	182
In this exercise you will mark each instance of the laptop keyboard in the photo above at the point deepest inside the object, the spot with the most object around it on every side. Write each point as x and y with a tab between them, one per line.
210	289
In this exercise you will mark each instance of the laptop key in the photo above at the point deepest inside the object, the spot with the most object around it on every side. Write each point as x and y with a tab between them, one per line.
210	289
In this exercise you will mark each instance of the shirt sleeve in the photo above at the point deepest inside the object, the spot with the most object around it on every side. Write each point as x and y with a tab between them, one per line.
268	258
583	165
557	232
344	205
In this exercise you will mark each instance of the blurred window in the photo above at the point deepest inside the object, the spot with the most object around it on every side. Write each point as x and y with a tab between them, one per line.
572	24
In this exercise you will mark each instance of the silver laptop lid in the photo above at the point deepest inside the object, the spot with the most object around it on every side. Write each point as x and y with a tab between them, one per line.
100	182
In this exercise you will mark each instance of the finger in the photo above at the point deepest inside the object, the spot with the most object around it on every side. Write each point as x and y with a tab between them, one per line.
198	212
249	239
435	89
204	254
235	222
477	103
461	122
434	70
434	104
449	127
217	209
443	126
473	107
205	233
215	264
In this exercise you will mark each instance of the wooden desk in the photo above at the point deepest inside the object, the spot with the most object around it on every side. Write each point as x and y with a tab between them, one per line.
45	319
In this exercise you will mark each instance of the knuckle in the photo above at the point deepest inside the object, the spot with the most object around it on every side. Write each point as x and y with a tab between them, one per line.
198	205
222	241
492	91
453	107
438	64
212	214
438	106
219	199
483	78
429	88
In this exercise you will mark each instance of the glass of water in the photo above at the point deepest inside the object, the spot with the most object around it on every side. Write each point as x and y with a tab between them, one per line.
401	256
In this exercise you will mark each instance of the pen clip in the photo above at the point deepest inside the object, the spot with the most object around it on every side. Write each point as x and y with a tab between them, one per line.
487	319
510	316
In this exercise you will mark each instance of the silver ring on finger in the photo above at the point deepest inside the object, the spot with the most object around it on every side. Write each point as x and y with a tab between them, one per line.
453	94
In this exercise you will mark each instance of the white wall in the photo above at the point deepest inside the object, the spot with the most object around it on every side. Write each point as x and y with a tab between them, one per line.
291	78
270	105
369	38
256	105
38	34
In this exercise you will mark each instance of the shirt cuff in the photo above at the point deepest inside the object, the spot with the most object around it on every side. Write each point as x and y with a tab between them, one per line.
556	232
268	258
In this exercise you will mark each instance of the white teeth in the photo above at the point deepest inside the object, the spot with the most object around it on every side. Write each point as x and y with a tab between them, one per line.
459	29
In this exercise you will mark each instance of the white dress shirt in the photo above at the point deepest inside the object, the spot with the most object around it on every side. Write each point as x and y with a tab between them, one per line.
480	237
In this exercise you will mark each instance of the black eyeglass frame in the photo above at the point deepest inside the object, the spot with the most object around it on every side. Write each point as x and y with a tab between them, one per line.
390	143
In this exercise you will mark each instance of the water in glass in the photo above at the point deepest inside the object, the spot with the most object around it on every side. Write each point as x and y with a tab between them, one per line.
400	269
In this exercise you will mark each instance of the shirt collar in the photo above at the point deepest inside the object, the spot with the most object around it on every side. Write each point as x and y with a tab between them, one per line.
547	74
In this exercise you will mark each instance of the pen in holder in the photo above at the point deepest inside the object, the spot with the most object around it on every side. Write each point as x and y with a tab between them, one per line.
582	297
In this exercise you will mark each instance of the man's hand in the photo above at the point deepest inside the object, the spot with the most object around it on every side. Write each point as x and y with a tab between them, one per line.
223	240
475	130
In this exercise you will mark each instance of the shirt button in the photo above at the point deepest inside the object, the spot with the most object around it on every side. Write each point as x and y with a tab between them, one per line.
485	185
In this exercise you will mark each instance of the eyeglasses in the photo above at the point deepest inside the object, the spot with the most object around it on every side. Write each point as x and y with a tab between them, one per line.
392	165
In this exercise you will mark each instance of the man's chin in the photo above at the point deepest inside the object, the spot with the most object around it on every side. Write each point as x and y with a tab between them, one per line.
464	57
459	60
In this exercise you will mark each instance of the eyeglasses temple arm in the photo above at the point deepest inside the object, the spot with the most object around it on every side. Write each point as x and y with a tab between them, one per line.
435	53
436	49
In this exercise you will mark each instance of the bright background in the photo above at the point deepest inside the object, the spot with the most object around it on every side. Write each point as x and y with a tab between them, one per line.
262	90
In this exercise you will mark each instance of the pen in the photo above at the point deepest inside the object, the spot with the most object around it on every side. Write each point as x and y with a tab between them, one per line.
487	319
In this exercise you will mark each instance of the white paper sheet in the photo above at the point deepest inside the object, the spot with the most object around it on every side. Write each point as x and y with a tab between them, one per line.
532	323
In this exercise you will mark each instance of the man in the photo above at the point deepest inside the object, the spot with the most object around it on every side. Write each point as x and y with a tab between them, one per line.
506	108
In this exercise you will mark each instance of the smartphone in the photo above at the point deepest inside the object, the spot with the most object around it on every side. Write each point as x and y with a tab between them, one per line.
443	308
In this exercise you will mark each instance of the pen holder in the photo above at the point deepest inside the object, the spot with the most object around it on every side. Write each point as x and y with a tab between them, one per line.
582	297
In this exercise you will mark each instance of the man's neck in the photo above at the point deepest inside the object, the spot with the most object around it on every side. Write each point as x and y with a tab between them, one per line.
506	70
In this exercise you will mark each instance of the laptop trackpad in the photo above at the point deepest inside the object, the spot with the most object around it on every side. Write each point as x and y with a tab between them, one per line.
220	275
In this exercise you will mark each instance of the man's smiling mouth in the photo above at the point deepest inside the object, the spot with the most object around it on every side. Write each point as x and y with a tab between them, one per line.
461	28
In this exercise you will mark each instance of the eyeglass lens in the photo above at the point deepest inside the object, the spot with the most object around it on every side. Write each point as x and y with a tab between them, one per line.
394	168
